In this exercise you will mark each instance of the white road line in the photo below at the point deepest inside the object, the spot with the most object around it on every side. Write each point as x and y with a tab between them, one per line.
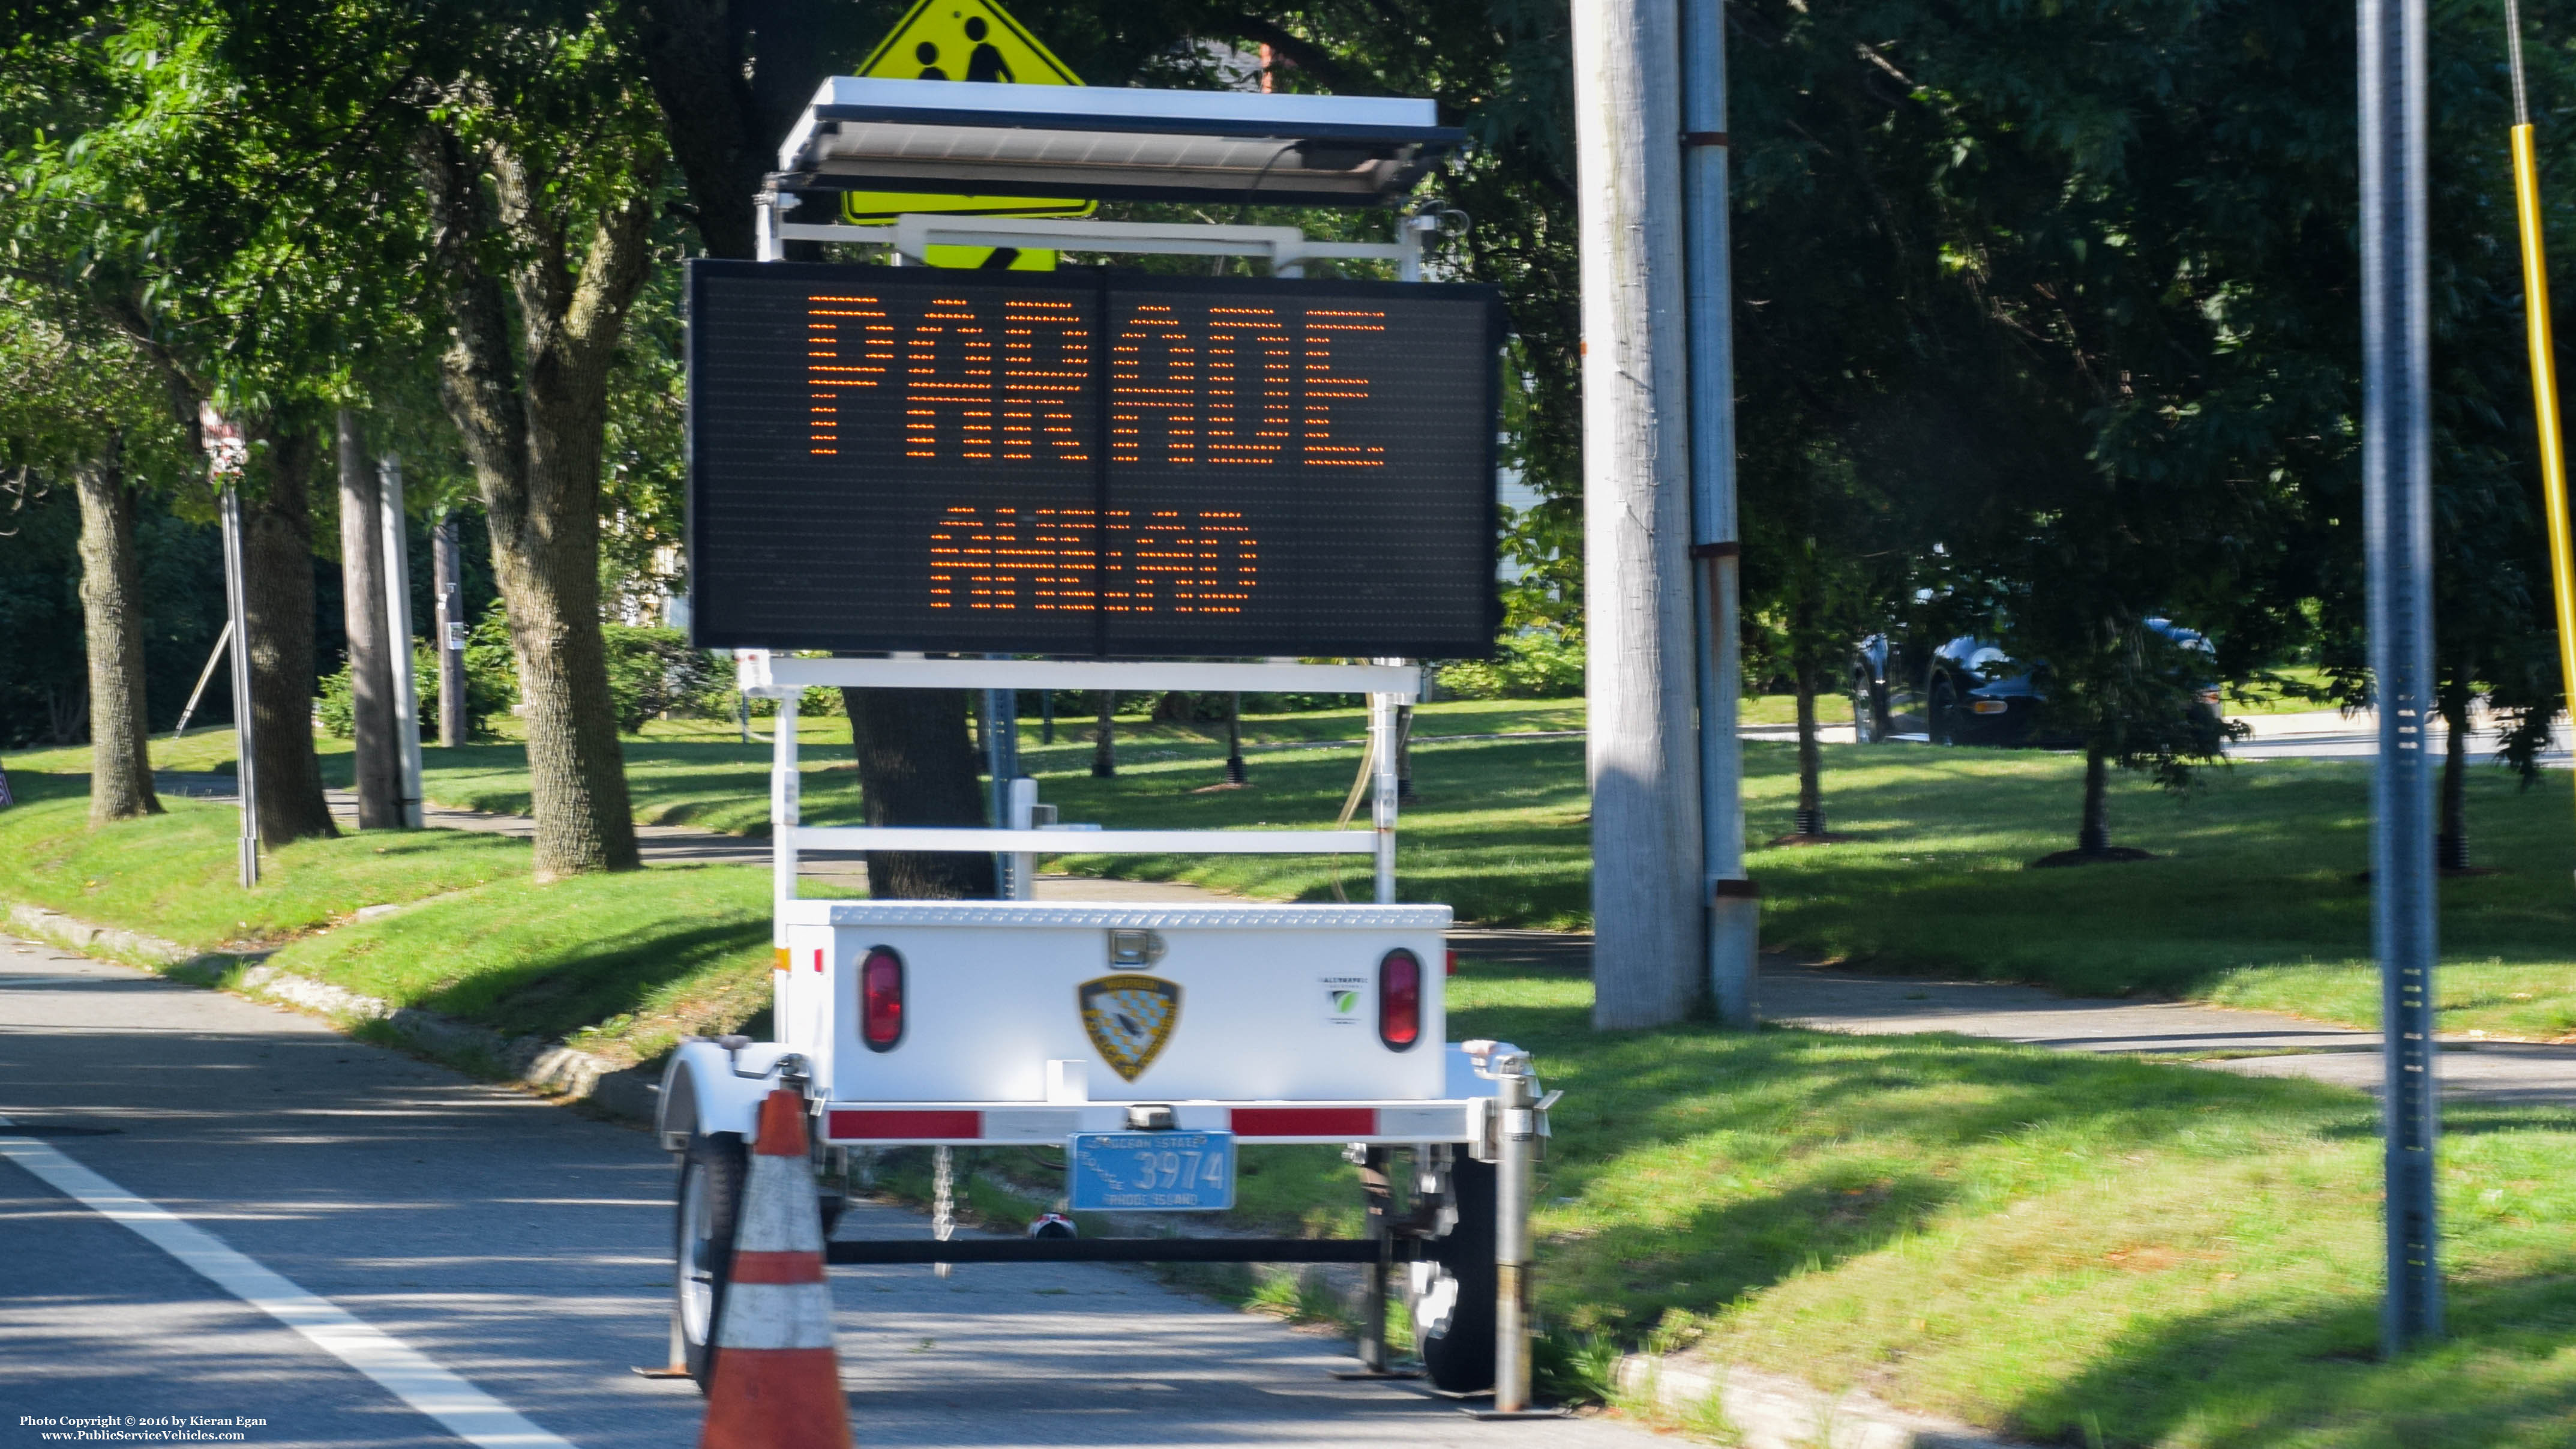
469	1413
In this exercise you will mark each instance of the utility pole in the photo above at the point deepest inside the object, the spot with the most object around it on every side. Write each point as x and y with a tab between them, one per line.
1734	908
375	760
2397	540
396	551
1649	908
446	581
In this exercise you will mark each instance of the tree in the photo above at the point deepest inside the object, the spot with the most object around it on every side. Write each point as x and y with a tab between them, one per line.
198	229
536	278
730	77
120	781
70	404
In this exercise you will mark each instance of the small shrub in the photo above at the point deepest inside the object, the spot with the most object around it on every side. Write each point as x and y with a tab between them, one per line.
655	671
1531	664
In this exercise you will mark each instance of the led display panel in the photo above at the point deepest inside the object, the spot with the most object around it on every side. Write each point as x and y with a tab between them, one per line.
1089	463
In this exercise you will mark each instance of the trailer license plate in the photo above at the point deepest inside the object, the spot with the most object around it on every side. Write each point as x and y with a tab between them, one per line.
1172	1172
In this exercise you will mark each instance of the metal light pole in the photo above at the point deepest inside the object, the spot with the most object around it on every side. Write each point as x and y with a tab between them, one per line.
245	774
1733	907
2397	509
1002	764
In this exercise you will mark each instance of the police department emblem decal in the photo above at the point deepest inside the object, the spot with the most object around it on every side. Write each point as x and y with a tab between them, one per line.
1129	1017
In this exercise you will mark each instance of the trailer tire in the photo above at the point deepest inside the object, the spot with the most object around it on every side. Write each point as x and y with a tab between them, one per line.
1451	1295
707	1209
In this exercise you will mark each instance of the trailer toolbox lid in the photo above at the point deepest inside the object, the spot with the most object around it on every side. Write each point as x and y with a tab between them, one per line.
1117	917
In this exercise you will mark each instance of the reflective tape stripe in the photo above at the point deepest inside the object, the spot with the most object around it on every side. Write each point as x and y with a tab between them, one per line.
779	1213
1305	1121
931	1126
777	1267
776	1315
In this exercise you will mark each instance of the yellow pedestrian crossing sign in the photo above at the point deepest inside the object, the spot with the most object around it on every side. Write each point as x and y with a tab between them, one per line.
974	40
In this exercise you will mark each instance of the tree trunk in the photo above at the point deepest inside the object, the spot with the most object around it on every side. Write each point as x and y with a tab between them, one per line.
2451	844
917	767
277	597
67	712
535	445
2094	836
374	757
111	589
1104	738
1810	819
1235	774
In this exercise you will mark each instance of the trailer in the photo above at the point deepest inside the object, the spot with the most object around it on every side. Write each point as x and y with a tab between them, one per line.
999	481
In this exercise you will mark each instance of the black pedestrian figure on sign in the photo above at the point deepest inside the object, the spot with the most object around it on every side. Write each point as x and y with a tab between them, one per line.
928	55
986	64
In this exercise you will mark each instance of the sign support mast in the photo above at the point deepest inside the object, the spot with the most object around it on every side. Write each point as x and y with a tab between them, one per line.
2397	538
1733	904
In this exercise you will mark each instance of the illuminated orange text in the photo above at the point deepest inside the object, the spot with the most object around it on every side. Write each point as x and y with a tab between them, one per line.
1062	559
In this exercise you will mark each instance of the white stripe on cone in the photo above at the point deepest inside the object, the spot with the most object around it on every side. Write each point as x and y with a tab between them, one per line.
776	1315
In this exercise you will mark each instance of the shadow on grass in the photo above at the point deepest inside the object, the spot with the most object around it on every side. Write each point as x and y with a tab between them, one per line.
1725	1162
2242	1378
610	975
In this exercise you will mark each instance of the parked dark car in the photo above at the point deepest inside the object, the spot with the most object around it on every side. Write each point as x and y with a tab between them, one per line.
1966	691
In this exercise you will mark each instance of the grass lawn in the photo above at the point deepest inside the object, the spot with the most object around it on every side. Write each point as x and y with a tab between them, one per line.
2065	1247
622	964
2255	898
174	875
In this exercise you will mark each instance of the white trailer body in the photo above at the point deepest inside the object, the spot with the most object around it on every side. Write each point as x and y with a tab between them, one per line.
1270	1007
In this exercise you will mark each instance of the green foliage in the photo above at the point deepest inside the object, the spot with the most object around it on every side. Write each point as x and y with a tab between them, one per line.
655	672
1529	664
488	692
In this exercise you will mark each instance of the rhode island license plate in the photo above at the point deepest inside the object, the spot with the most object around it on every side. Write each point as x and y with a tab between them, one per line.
1151	1171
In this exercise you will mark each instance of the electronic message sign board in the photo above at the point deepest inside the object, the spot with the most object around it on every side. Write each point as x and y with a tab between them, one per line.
1089	463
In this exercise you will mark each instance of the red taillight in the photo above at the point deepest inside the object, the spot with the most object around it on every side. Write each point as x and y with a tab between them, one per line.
881	999
1399	999
1453	963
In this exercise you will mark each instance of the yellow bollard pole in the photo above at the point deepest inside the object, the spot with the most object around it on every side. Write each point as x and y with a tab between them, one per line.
2544	399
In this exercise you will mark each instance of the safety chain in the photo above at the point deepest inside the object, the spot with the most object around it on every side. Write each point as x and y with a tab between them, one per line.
943	1200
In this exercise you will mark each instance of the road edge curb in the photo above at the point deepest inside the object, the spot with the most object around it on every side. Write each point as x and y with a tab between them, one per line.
1775	1411
628	1093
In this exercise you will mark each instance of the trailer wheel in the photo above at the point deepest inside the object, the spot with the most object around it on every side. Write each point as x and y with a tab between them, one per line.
709	1206
1452	1294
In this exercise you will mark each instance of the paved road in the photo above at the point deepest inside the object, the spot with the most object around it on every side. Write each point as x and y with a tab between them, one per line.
524	1248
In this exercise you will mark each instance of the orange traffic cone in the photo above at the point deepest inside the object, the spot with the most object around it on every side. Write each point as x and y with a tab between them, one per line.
777	1380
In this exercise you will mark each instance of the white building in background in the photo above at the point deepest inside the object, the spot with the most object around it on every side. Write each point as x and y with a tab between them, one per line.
1514	492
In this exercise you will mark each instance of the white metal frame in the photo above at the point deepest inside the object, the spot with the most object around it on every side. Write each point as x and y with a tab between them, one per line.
1388	683
1284	247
